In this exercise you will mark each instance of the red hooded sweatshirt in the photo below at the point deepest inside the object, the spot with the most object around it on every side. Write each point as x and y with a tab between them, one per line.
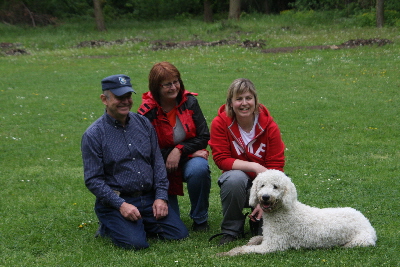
226	143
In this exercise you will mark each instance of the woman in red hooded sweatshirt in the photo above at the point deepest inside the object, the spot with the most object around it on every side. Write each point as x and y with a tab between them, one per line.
183	136
244	141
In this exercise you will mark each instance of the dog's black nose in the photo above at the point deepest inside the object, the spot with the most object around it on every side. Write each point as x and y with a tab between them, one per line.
265	197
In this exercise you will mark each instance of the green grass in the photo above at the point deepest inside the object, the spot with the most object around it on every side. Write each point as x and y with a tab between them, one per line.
338	111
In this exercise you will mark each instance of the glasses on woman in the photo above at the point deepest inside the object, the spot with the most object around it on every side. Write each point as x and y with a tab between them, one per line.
169	85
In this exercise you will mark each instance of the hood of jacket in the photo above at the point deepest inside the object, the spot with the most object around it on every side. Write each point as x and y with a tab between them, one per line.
150	103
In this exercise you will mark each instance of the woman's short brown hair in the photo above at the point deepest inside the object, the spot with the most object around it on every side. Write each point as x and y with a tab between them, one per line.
160	72
238	87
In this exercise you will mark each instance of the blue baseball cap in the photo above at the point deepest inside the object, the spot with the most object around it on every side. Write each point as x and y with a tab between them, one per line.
119	84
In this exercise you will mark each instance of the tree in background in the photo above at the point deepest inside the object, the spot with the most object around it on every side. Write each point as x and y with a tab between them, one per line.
234	9
50	12
98	15
267	7
380	13
208	13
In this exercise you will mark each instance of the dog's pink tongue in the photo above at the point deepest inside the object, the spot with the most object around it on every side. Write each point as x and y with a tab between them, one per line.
266	206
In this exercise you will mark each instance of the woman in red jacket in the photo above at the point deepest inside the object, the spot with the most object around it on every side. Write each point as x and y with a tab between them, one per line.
183	136
244	141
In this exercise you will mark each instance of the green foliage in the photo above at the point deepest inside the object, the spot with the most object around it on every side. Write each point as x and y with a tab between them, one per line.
360	17
223	25
392	5
311	17
152	9
338	111
181	9
392	18
366	19
303	5
58	8
320	5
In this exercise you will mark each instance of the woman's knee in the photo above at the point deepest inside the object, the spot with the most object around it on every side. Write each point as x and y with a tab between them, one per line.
197	171
234	178
197	165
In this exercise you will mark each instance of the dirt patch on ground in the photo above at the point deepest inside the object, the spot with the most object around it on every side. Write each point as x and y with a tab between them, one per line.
98	43
163	45
349	44
14	48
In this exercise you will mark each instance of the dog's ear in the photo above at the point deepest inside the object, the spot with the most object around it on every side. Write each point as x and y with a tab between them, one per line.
290	195
253	199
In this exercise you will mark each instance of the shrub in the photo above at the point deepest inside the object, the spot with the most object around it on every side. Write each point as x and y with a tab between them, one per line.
392	18
311	17
365	19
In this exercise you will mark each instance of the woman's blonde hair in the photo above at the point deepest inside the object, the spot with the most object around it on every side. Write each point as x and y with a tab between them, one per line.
238	87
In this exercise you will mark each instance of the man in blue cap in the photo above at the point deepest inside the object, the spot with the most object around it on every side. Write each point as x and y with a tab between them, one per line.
124	169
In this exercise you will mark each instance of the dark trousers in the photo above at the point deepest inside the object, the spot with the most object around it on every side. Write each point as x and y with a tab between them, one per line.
133	235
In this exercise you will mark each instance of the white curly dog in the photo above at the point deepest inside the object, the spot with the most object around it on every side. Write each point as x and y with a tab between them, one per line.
287	223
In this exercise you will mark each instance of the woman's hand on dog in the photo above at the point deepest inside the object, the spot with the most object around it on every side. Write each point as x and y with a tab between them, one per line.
256	214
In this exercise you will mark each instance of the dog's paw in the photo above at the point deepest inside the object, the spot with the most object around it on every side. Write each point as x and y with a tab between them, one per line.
255	240
222	254
232	252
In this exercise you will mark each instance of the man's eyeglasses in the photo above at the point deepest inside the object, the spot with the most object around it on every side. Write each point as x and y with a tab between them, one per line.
169	85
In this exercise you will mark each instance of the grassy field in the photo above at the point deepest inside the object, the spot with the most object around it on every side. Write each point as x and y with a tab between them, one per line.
338	111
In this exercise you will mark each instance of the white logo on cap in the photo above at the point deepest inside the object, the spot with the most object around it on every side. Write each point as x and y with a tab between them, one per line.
122	80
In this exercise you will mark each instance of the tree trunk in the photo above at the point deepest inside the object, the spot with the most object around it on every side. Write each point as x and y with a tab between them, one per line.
234	9
380	13
30	14
267	7
208	13
98	15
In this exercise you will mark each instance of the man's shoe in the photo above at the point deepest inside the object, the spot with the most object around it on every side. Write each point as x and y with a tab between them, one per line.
97	234
226	238
200	227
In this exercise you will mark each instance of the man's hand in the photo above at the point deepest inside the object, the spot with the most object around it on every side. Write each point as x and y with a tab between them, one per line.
130	212
160	208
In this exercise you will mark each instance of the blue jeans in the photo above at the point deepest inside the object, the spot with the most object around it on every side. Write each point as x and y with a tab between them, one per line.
196	174
133	235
